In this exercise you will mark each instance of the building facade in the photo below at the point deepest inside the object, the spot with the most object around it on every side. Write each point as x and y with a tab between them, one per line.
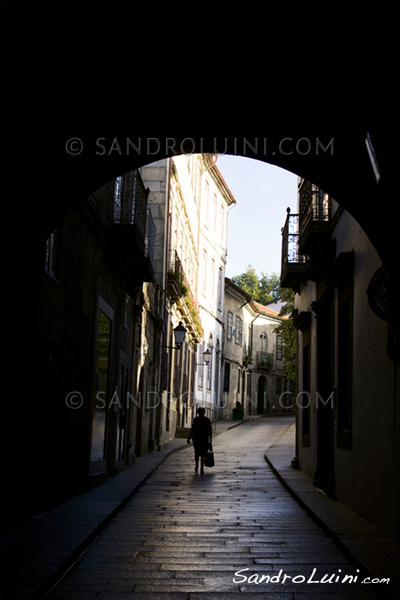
215	202
174	199
190	191
252	375
85	323
108	381
345	395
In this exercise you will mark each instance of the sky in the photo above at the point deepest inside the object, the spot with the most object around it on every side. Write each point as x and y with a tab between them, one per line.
263	192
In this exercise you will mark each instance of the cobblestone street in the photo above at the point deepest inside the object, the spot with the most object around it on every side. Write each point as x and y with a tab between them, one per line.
185	536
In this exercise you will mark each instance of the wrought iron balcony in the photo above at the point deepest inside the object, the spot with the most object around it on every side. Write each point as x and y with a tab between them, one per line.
121	206
294	264
265	360
314	217
178	283
179	290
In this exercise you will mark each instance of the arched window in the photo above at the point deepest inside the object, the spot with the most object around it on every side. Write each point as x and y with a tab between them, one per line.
264	342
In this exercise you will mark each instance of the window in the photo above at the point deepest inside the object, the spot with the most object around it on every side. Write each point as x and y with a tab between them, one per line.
209	370
264	342
204	275
51	260
201	365
220	289
117	199
229	326
124	204
206	202
279	348
239	330
222	223
215	213
227	374
212	278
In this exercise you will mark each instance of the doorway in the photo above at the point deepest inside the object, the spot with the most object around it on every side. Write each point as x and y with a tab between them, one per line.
324	476
262	396
101	387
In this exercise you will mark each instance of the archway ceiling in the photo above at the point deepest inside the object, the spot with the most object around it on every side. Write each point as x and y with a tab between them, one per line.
293	94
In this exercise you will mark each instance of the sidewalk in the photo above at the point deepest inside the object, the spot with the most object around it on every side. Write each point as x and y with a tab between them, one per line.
38	554
371	550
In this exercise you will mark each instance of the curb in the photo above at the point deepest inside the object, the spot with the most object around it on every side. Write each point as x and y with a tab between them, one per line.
347	553
51	582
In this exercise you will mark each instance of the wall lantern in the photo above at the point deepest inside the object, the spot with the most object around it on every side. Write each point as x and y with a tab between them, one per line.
206	357
248	364
179	335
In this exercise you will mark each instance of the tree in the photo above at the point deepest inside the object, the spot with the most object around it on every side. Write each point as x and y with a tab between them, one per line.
263	289
248	281
269	287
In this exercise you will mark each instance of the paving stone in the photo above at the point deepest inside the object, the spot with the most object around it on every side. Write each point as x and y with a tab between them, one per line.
143	596
185	536
238	596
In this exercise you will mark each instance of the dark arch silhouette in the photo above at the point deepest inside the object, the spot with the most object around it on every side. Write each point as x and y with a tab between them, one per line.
338	162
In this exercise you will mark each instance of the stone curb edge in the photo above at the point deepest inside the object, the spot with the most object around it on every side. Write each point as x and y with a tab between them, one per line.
348	554
47	586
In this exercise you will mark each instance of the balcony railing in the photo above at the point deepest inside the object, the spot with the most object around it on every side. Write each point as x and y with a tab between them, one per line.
265	360
314	216
293	263
177	274
130	201
179	290
314	205
122	207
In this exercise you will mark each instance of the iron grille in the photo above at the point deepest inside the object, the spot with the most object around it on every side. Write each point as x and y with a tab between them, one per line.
314	205
290	240
265	360
130	201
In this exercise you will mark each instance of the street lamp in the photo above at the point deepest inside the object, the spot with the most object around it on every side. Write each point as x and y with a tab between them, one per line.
179	335
206	357
248	364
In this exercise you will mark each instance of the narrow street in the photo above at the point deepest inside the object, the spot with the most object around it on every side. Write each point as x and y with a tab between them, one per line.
186	537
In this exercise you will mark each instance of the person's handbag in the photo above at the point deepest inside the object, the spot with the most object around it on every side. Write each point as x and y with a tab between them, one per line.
210	462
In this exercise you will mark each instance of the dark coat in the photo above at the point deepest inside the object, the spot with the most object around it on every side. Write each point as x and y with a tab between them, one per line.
201	433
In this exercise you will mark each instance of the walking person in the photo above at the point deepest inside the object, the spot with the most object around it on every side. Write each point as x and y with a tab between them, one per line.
201	432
